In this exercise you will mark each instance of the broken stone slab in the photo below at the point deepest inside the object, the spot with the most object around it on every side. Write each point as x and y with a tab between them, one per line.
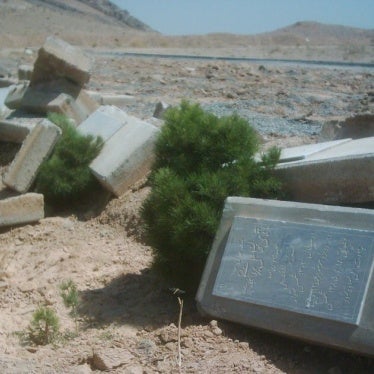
303	270
356	127
110	99
342	174
58	96
21	209
13	132
126	156
37	146
104	122
58	59
303	151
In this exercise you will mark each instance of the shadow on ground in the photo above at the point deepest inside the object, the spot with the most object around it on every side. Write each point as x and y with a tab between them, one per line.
142	300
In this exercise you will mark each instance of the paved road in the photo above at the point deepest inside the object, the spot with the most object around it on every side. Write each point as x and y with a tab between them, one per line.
265	61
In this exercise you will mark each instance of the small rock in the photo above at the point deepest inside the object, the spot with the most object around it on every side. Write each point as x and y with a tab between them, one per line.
213	323
170	346
208	334
217	331
187	343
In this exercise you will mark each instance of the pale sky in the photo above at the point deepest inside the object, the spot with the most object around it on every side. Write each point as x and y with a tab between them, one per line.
185	17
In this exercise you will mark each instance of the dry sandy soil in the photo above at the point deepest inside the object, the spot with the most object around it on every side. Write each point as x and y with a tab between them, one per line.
127	316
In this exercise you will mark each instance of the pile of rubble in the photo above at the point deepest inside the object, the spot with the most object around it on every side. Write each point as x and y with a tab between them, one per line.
56	84
337	171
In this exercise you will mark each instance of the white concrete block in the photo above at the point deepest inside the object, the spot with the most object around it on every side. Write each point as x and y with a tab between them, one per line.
104	122
127	156
35	149
21	209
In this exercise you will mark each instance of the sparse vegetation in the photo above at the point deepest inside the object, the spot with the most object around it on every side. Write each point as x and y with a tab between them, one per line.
200	160
69	294
44	326
65	177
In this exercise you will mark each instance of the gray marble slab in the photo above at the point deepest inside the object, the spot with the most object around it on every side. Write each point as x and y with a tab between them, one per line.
304	270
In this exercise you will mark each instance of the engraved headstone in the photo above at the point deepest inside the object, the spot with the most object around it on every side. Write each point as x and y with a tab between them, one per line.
304	270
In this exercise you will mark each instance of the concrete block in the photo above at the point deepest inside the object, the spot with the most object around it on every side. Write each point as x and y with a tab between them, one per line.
58	59
21	209
104	122
118	100
13	132
303	270
25	72
356	127
35	149
342	174
126	157
58	96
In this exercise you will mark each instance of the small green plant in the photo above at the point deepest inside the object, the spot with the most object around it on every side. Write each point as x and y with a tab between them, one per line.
44	326
200	161
65	177
69	294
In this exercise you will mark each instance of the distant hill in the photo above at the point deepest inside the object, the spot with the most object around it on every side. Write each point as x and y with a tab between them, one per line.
78	21
318	34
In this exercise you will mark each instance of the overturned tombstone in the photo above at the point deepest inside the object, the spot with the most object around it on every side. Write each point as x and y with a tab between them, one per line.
339	173
303	270
36	147
58	59
104	122
21	209
56	85
356	127
127	154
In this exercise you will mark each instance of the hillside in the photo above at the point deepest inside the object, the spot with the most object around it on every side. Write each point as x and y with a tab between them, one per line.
85	22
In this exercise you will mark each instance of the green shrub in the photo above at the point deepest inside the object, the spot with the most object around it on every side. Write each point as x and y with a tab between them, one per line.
65	177
44	326
200	160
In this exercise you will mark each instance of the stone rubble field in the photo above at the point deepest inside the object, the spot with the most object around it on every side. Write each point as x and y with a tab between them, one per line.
127	316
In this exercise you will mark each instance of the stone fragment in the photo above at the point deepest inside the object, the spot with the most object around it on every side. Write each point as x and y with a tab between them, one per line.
356	127
35	149
4	111
303	270
110	359
104	122
21	209
58	59
126	156
341	174
25	72
13	132
160	110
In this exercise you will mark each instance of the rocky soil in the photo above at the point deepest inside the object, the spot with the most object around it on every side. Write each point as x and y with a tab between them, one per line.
127	316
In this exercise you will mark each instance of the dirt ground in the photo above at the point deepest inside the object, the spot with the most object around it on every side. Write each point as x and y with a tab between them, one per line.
127	316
